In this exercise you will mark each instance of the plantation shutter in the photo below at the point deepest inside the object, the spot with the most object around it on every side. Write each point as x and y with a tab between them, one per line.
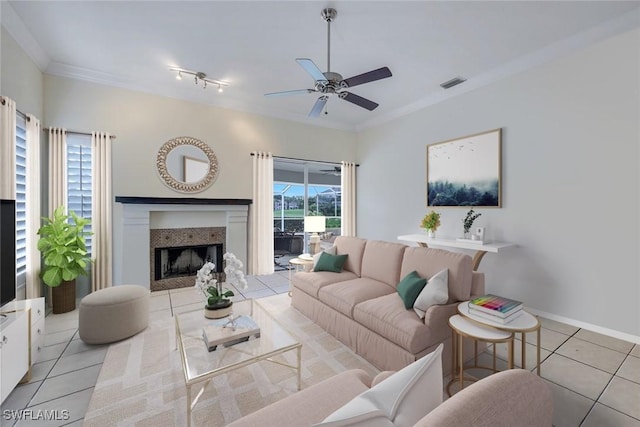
21	196
79	178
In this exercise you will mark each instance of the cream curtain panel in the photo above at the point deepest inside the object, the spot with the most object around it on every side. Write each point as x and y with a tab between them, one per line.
261	248
33	288
101	211
7	148
57	168
348	183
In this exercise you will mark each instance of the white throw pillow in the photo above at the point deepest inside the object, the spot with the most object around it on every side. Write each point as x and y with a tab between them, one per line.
401	400
435	292
330	251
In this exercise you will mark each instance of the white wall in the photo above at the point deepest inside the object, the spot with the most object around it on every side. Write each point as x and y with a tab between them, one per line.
22	81
20	78
570	182
143	122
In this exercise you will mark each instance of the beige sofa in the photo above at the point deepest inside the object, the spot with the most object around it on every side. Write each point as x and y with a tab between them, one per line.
361	307
510	398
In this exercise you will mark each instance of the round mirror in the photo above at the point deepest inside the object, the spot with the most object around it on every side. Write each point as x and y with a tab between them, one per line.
187	164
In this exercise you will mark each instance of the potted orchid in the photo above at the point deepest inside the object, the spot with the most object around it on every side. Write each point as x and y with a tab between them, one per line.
218	298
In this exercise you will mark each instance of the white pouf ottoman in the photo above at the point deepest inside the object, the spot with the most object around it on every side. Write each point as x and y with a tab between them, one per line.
113	314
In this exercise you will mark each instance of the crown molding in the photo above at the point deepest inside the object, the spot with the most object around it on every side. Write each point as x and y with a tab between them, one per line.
14	26
86	74
106	79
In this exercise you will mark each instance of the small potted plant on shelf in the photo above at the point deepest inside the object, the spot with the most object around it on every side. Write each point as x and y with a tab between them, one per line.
218	298
64	252
468	222
431	222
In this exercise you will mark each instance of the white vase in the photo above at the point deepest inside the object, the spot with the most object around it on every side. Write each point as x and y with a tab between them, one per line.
217	313
431	234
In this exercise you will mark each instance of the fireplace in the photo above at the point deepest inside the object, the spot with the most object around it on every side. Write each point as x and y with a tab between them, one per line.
142	224
176	255
181	261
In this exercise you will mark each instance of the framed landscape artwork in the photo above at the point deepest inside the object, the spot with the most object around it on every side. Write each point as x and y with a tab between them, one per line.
465	171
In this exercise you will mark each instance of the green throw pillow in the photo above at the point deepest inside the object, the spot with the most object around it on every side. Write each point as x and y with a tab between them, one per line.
410	287
328	262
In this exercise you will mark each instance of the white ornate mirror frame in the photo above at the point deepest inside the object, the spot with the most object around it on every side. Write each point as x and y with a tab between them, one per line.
173	182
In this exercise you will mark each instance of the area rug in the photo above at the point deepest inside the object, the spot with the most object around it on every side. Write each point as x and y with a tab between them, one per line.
141	381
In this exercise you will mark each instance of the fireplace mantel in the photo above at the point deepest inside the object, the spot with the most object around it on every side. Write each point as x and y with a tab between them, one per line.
132	225
136	200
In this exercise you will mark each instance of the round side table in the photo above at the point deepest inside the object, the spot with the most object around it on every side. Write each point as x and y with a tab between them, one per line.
297	263
462	327
522	324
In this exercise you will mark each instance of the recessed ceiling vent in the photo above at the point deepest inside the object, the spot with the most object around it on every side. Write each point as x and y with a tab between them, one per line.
453	82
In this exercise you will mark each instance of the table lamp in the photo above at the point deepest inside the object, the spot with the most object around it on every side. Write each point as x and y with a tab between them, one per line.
314	225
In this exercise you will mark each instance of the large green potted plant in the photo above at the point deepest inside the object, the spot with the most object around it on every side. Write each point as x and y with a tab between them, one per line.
64	252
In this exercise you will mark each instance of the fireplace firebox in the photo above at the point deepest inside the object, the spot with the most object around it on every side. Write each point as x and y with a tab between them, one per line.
181	261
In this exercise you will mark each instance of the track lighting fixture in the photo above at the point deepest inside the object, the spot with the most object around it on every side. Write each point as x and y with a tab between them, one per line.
200	76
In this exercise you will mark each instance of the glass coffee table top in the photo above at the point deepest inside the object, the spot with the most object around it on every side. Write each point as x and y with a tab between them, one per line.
200	365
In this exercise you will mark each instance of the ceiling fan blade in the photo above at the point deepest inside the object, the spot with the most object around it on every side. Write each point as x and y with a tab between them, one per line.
371	76
290	92
311	68
358	100
318	106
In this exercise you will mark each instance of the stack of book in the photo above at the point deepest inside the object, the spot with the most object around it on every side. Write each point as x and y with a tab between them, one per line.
230	331
497	309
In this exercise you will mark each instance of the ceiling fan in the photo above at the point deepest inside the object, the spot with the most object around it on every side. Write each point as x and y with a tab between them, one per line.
337	170
330	83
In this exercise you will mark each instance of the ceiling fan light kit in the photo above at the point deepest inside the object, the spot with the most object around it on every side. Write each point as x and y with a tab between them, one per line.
199	76
332	83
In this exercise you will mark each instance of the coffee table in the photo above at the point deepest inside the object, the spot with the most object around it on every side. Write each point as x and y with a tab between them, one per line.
200	365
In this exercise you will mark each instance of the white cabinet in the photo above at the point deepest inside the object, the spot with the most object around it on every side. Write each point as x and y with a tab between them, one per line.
14	351
35	307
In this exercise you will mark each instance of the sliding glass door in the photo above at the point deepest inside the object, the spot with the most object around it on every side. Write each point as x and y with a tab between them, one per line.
306	188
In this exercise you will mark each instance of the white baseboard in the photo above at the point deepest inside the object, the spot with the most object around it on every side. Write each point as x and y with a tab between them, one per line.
594	328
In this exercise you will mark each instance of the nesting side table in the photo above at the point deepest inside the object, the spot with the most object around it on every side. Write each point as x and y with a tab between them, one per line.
524	323
462	327
297	263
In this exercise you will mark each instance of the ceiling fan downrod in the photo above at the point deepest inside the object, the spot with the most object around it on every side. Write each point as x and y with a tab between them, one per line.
329	14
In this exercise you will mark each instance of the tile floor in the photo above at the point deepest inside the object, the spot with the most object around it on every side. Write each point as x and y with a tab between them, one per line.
595	379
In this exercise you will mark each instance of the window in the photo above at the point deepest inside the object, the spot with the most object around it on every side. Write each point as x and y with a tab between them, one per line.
21	197
303	187
79	178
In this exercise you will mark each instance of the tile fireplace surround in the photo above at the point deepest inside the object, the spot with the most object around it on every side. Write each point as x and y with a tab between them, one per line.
135	217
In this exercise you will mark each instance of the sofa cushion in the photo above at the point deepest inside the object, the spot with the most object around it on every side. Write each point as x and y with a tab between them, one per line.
310	405
409	288
328	262
403	398
387	317
382	260
435	292
344	296
354	247
427	262
311	282
330	251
